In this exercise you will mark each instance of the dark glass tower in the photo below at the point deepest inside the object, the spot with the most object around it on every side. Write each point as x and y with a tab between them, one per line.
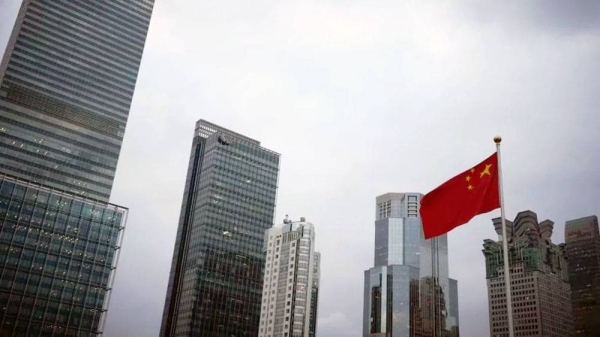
215	284
66	84
408	292
582	240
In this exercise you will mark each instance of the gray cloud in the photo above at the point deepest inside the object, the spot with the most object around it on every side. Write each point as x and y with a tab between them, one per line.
361	98
554	16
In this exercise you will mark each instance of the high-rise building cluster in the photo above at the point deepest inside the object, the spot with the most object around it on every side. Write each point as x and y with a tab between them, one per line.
67	79
233	273
555	289
541	296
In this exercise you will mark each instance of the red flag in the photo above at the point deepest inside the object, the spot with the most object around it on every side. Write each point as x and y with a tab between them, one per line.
458	200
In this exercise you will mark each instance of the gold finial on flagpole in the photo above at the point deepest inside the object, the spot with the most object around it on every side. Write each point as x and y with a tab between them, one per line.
497	139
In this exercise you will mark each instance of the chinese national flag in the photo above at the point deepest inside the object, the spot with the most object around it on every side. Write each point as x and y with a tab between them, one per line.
458	200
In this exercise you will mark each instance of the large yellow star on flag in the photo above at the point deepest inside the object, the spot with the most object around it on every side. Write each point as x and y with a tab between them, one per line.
486	170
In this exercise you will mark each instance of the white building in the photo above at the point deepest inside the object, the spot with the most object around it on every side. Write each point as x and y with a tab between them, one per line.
290	282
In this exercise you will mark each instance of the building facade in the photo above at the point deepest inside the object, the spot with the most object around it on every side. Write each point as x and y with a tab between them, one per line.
408	292
58	256
291	281
541	295
582	243
66	84
314	298
215	284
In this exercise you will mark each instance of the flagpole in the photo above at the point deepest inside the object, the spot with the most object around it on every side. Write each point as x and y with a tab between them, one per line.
511	329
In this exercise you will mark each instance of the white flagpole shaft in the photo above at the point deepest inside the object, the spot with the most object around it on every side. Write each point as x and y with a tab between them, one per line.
511	329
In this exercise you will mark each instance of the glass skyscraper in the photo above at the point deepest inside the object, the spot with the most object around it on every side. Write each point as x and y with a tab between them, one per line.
215	284
408	292
66	84
582	245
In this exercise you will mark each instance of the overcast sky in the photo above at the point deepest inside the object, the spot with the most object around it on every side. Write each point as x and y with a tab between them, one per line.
360	98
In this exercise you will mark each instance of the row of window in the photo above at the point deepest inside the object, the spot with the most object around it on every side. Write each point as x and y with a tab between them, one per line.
80	253
121	78
52	134
56	153
117	16
32	104
91	86
77	44
75	176
64	91
62	204
80	25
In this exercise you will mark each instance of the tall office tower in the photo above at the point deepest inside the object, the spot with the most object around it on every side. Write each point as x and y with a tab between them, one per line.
291	281
66	83
408	292
582	244
541	297
215	284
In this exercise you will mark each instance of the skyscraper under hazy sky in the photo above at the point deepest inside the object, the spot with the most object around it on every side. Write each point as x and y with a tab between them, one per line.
582	241
215	284
541	296
291	281
66	84
408	292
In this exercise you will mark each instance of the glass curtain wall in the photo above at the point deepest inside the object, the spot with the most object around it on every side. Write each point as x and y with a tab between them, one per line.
58	254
